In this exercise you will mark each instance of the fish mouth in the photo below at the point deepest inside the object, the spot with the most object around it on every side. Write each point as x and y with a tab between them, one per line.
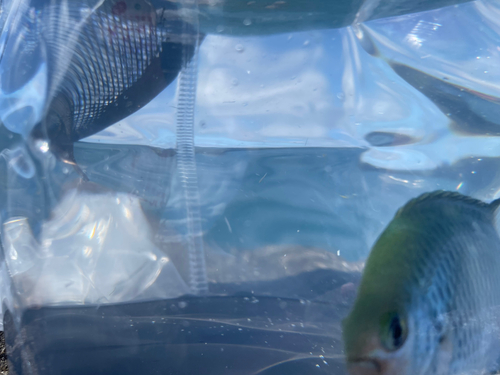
363	366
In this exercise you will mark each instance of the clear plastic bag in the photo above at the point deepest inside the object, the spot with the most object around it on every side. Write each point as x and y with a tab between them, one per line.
205	179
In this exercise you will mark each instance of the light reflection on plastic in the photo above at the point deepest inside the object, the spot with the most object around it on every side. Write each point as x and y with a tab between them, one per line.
127	213
92	232
23	108
87	251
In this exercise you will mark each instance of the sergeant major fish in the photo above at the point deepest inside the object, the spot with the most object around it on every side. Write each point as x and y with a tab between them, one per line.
428	302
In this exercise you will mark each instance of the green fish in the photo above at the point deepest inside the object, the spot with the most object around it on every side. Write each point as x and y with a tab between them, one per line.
429	299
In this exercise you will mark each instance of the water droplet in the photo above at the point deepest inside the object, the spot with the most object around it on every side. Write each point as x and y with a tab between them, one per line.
247	22
239	48
341	95
234	82
245	104
219	29
293	77
42	146
106	167
182	304
306	43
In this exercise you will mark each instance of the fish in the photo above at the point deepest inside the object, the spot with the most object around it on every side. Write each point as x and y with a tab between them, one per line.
429	297
102	61
471	113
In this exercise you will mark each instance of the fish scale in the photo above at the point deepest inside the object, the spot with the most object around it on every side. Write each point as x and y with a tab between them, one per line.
106	59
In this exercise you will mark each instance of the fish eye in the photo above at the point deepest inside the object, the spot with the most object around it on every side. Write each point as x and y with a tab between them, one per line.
393	331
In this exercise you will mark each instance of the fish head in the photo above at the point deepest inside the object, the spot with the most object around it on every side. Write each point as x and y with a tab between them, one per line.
381	344
388	322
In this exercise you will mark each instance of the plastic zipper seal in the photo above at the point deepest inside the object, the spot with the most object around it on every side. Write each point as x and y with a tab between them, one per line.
186	161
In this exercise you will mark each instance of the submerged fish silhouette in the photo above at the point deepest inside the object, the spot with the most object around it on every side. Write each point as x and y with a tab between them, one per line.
121	56
472	112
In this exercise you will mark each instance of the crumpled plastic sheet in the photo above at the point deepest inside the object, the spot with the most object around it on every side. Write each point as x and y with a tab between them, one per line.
95	249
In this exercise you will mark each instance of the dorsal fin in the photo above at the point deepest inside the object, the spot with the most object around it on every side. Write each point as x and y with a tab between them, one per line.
495	208
495	204
451	196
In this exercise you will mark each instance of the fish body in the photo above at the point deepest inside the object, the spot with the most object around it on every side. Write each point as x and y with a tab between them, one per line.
428	302
126	53
265	17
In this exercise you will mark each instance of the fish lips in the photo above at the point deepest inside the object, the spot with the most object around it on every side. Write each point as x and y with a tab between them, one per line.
364	366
